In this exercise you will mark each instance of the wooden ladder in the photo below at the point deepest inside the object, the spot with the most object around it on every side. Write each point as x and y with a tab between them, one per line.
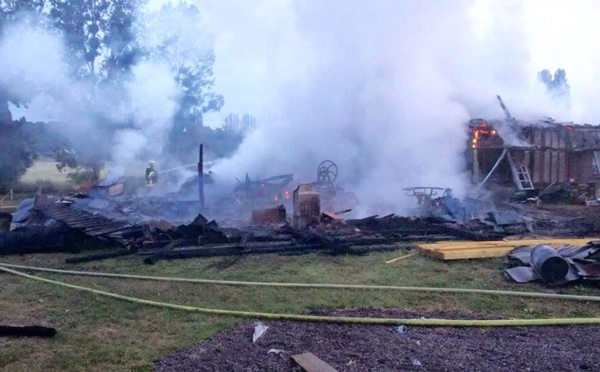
520	174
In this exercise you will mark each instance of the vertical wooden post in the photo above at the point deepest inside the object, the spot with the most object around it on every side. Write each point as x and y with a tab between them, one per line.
476	170
201	176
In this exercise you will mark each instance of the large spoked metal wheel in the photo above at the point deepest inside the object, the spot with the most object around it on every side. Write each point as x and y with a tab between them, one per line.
327	172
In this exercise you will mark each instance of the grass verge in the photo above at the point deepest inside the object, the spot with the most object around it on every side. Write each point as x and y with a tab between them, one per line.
97	333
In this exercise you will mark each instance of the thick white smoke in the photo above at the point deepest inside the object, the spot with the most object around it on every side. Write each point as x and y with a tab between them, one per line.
384	88
126	126
367	89
32	60
153	97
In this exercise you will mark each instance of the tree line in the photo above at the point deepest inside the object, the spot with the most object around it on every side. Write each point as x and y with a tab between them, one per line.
104	39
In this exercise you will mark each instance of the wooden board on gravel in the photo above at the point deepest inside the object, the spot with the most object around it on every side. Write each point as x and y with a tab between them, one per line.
310	363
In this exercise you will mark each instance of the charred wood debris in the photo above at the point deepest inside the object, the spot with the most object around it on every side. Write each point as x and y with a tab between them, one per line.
109	217
67	224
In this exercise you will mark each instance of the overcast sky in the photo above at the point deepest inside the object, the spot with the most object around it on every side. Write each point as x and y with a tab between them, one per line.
256	38
384	88
259	48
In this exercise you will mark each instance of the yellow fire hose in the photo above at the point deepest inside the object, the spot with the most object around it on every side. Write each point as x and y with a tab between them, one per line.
309	285
325	319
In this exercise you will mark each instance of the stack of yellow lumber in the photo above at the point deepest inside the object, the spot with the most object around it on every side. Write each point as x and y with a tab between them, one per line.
453	250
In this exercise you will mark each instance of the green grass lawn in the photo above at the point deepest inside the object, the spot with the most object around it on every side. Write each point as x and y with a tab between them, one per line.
44	174
98	333
44	169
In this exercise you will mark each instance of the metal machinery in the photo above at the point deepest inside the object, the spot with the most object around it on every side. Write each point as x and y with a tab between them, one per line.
327	172
425	195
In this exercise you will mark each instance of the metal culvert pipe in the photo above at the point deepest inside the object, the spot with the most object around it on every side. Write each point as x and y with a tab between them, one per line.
548	264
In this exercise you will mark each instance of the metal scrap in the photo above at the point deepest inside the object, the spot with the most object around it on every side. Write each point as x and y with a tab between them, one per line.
554	266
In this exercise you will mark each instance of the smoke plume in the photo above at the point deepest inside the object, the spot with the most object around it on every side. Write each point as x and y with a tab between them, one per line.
124	125
382	88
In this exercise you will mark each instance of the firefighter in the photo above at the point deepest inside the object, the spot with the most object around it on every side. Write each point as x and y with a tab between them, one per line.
151	174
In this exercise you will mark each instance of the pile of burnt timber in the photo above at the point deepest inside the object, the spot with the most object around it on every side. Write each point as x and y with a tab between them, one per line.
324	232
50	225
282	239
41	239
424	229
332	236
97	226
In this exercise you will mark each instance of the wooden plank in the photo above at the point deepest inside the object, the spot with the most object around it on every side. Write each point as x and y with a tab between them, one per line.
537	165
310	363
472	254
400	258
553	139
8	209
555	167
562	167
537	138
547	167
448	249
469	250
502	243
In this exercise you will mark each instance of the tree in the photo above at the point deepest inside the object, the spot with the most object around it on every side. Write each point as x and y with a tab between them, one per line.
557	85
102	43
188	49
16	155
99	34
105	39
67	159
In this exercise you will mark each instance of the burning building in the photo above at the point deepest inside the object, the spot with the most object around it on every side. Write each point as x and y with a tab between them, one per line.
534	155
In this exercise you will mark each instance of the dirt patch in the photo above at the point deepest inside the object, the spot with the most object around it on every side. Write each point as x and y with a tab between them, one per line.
385	348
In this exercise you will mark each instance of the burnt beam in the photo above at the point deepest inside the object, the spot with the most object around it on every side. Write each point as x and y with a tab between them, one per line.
201	176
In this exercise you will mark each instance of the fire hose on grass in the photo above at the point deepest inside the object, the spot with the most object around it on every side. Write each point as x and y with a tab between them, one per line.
555	296
324	319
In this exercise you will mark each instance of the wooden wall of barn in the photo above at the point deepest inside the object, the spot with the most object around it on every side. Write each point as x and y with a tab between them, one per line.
558	161
548	166
582	168
563	153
